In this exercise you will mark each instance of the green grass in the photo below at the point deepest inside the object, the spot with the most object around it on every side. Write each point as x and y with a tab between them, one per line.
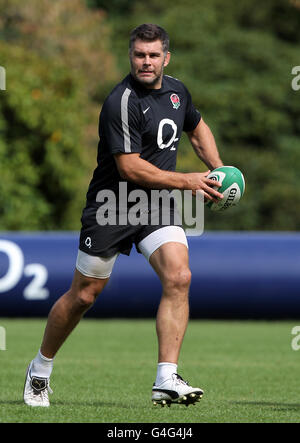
105	370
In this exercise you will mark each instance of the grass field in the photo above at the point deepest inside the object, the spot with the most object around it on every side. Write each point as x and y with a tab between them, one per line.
105	371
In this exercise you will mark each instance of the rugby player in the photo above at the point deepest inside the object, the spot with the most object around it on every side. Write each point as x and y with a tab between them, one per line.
140	126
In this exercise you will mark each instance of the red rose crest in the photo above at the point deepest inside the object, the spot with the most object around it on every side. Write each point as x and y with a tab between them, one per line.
175	100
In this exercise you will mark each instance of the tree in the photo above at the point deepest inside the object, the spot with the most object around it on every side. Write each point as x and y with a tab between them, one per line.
57	58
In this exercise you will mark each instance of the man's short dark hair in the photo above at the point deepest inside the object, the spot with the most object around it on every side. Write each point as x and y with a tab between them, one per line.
149	32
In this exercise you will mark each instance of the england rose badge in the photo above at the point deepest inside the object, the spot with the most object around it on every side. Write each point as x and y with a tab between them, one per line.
175	100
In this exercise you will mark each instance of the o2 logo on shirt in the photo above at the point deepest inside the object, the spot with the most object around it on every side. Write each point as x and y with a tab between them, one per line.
162	144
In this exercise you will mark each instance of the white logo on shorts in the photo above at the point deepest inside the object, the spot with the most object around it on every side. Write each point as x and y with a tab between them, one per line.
88	242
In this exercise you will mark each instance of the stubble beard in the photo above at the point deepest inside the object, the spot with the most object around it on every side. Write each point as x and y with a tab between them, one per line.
148	83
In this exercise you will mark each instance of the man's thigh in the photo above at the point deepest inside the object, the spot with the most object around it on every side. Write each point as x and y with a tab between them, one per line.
150	242
167	251
170	258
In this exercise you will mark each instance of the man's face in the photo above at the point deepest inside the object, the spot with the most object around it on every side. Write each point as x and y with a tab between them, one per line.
147	61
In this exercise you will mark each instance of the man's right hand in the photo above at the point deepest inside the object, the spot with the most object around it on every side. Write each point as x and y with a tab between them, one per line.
198	181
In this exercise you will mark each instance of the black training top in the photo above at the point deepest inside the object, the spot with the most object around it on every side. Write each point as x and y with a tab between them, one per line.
135	119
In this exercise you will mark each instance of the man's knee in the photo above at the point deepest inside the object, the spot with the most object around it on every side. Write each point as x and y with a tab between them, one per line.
85	298
177	279
86	290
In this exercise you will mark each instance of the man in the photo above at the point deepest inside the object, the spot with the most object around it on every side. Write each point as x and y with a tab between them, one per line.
140	126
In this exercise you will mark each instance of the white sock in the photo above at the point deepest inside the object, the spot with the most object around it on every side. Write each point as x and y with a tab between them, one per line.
164	371
42	366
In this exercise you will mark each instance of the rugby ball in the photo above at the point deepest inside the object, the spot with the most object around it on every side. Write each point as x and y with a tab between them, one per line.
233	187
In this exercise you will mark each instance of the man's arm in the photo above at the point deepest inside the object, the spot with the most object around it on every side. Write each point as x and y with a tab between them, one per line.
205	146
133	168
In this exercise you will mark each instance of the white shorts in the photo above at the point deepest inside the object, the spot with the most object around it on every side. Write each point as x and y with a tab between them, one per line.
100	267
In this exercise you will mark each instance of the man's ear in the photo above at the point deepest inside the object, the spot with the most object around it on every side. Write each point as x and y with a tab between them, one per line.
167	59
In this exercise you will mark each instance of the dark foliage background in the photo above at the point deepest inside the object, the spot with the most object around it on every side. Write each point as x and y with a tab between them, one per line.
62	58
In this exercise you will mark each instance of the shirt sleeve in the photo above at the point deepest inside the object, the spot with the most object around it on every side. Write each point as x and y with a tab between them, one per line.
192	115
120	123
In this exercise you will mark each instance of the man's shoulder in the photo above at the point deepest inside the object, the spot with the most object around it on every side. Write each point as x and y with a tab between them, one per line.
124	86
122	92
174	83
